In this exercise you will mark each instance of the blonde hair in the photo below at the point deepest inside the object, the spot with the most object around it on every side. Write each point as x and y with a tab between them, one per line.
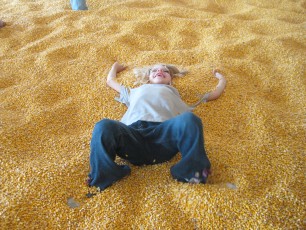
142	74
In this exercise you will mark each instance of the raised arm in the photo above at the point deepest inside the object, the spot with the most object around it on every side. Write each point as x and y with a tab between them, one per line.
111	77
213	95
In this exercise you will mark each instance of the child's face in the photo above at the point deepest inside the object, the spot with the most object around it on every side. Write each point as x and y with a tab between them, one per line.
160	74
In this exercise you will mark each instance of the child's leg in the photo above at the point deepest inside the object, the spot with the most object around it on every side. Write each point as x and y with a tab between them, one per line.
78	4
185	132
108	139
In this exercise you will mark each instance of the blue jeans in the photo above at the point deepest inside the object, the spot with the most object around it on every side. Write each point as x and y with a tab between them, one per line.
78	5
145	143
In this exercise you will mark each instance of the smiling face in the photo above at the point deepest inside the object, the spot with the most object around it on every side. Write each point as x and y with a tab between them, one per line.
160	74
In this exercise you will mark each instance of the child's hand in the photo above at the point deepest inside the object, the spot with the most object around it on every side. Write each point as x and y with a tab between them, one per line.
111	81
217	74
118	67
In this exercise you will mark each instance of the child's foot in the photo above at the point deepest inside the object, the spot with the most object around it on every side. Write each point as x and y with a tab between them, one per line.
198	178
88	181
205	174
2	23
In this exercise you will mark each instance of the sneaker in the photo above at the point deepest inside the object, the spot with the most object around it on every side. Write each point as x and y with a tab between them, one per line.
88	181
198	178
205	174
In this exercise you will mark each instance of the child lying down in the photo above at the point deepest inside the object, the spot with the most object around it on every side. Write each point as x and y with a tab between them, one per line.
156	126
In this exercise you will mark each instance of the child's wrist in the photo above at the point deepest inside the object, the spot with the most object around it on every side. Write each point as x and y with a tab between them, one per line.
219	76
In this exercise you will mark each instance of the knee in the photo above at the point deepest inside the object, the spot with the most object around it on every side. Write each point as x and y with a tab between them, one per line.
190	119
190	123
105	125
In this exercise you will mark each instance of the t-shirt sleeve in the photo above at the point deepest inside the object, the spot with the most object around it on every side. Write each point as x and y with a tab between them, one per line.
124	96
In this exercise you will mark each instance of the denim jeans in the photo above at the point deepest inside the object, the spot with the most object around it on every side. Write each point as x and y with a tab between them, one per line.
145	143
78	5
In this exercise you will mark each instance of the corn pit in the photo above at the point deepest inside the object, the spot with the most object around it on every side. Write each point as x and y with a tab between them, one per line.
53	68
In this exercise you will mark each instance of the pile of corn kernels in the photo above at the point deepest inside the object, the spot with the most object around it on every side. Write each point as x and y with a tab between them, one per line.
53	68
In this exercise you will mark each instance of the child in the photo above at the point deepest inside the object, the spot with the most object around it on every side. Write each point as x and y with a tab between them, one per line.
78	5
156	126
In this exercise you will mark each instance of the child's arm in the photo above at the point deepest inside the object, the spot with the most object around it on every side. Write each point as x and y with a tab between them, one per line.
219	88
116	68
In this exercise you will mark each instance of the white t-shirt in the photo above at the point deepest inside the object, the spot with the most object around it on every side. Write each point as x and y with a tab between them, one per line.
151	102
